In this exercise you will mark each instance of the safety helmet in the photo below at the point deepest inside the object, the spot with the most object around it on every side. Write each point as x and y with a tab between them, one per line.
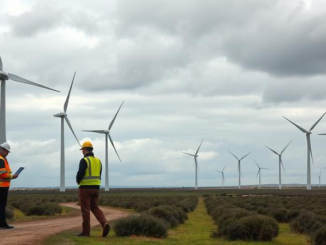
5	146
87	144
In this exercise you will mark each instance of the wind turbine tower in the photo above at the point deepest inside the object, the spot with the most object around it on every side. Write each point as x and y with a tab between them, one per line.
309	151
64	116
259	173
196	163
3	78
222	173
239	166
107	135
280	163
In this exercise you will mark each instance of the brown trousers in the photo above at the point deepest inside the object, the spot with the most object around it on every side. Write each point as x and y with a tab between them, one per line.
88	199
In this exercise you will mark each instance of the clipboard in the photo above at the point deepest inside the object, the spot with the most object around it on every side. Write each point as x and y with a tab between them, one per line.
19	171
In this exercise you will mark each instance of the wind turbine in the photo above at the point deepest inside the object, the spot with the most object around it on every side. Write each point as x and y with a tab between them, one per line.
222	172
3	77
319	177
64	116
196	164
309	151
107	135
280	163
259	172
239	166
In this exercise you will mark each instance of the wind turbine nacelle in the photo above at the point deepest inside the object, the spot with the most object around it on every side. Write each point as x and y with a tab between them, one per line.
61	114
3	75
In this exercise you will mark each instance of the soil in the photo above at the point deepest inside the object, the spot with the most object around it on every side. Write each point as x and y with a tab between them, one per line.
32	233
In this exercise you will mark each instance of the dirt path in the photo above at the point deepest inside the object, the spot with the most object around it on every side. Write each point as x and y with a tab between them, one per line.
32	233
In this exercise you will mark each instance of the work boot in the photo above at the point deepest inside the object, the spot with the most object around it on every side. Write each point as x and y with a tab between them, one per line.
6	227
106	230
82	234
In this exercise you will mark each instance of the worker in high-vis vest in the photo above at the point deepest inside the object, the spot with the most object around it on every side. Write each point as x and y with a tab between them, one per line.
5	177
89	181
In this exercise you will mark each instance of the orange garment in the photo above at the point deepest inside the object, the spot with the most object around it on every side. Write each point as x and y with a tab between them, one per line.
5	174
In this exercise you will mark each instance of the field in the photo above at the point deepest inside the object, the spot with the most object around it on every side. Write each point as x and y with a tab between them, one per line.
199	217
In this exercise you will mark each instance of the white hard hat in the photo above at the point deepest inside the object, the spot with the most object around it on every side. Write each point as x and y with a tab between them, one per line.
5	146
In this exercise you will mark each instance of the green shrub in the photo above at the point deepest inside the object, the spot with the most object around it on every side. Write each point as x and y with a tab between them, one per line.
253	228
165	213
10	213
142	225
319	237
306	222
48	209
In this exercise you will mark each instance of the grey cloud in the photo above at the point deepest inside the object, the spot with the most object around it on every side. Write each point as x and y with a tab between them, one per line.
40	18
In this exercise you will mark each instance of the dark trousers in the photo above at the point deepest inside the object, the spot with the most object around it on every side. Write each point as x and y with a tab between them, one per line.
88	199
3	204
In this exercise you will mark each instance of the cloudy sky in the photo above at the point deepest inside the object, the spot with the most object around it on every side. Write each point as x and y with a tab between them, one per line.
227	71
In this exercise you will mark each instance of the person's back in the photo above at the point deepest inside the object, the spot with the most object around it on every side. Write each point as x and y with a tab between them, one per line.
89	181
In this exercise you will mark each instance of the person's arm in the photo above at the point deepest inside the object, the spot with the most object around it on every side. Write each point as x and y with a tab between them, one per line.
81	171
3	172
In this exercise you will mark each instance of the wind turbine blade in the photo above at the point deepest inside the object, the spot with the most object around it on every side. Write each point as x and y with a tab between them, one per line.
282	164
285	147
264	168
218	171
234	155
224	167
199	146
309	146
69	124
245	156
256	163
188	154
111	124
95	131
321	134
114	147
222	176
1	67
68	96
257	173
272	150
302	129
23	80
317	122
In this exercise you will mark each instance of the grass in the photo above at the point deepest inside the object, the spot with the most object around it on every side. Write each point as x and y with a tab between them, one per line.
195	231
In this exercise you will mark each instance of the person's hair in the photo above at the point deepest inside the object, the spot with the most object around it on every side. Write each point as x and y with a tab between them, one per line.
88	148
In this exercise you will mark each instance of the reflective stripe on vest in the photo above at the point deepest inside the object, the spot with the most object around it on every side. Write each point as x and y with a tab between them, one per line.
93	172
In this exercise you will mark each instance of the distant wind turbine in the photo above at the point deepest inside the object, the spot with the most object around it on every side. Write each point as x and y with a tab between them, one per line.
280	163
107	135
239	166
196	164
3	77
222	172
319	177
309	151
64	116
259	172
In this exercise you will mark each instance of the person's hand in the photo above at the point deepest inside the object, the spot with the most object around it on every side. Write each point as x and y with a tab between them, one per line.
15	176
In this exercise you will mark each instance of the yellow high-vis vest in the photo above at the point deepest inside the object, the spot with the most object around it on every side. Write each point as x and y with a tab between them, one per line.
93	171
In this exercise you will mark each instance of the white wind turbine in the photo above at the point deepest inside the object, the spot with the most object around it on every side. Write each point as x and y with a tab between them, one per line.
259	173
3	77
239	166
196	164
222	172
64	116
280	163
309	151
107	135
319	177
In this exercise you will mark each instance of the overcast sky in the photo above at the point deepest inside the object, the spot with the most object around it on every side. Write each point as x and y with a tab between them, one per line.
227	71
